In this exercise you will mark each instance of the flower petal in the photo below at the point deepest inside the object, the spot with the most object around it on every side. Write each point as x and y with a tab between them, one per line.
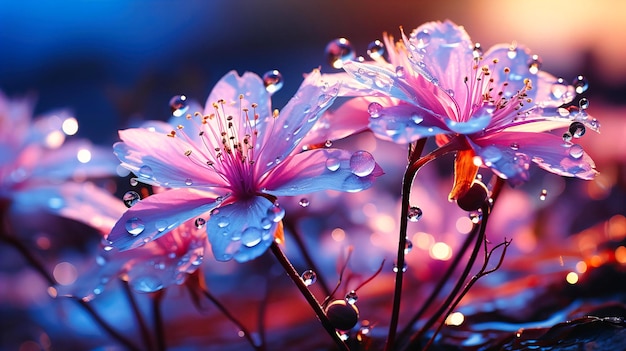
160	160
464	173
287	130
405	123
322	169
243	230
231	86
380	78
158	214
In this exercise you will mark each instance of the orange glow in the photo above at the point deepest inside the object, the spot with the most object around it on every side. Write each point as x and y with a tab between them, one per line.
620	254
338	234
616	227
423	240
441	251
581	267
596	261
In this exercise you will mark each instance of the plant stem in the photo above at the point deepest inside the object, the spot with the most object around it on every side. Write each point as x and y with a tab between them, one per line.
159	331
459	285
143	327
441	283
415	163
317	308
104	325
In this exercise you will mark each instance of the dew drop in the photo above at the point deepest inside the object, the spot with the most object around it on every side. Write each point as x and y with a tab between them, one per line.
477	52
275	213
577	129
543	194
514	146
133	182
131	198
328	143
351	297
414	214
583	103
362	163
512	53
304	202
563	112
160	225
273	81
581	84
309	277
251	236
200	222
423	39
534	64
375	49
342	316
400	72
135	226
339	51
188	182
332	164
567	137
374	109
476	216
576	151
178	104
417	119
408	246
145	171
558	89
395	268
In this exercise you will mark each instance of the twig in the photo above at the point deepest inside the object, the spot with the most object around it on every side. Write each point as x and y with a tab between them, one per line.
317	308
159	331
143	327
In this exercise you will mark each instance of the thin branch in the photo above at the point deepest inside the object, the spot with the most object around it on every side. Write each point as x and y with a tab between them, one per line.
104	325
317	308
157	315
143	327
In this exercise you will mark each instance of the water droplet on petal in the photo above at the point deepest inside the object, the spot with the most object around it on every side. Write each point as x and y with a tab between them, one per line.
188	182
408	246
266	224
423	39
477	52
251	236
543	195
414	214
342	316
558	89
160	225
362	163
145	171
309	277
328	143
375	49
133	182
577	129
179	106
273	81
131	198
374	109
512	53
332	164
200	222
534	64
146	283
581	84
400	72
576	151
135	226
304	202
583	103
351	297
476	216
567	137
417	119
514	146
275	213
339	51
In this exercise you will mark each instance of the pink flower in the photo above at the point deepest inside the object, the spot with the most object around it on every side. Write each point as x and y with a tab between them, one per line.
233	159
499	105
39	169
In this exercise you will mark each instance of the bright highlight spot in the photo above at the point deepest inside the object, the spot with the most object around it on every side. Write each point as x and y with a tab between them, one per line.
83	155
581	267
477	161
70	126
65	273
338	234
441	251
55	139
455	318
620	254
464	225
572	278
